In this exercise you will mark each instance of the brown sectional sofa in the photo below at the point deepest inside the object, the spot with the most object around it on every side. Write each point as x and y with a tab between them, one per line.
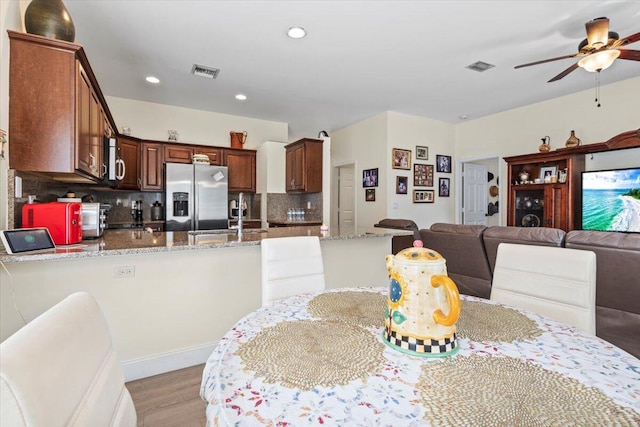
470	251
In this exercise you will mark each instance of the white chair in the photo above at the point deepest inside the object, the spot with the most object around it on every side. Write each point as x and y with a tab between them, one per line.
60	370
558	283
291	266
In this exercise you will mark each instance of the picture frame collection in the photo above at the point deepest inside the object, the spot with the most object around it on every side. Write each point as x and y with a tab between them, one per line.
423	175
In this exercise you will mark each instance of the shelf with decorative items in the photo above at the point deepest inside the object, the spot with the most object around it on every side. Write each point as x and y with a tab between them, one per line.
544	190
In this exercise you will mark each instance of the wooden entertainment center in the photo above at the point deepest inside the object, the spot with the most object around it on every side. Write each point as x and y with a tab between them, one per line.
536	201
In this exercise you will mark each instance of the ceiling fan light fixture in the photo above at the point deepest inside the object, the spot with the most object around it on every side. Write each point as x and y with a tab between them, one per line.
599	61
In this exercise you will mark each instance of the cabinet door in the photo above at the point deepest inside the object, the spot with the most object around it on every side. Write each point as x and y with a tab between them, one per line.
152	161
127	155
214	154
556	207
83	142
295	168
174	153
242	170
95	136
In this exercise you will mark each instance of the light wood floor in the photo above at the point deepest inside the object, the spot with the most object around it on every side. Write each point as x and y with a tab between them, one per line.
169	400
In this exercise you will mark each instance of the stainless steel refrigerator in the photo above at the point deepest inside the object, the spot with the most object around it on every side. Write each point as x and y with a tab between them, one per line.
196	197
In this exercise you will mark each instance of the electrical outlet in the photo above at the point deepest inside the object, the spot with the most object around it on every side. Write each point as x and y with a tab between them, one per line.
125	271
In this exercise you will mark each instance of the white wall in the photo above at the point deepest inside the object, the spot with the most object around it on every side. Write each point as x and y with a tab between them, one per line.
365	144
518	131
406	132
148	120
179	304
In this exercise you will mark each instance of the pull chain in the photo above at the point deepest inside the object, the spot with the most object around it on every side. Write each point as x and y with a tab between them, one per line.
598	89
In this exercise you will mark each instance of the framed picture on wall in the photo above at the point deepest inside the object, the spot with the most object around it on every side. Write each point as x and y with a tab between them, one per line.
443	187
370	195
422	175
423	196
402	184
370	177
400	159
422	153
443	163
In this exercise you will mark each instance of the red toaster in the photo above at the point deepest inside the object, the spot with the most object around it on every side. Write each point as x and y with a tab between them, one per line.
63	220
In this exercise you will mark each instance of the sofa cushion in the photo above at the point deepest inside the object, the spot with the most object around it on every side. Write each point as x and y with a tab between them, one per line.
538	236
618	261
461	245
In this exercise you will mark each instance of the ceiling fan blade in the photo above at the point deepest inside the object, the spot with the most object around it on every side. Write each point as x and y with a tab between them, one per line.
564	73
548	60
627	40
598	32
633	55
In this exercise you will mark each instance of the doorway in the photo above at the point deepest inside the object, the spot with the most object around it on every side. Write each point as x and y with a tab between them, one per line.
480	197
344	209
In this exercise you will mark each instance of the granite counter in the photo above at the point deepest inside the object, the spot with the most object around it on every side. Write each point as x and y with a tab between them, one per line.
139	241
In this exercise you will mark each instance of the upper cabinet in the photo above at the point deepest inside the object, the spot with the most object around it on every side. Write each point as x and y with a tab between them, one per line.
127	163
304	166
178	153
57	114
151	170
242	169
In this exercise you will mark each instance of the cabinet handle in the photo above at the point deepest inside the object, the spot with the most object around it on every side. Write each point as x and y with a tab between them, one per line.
104	169
92	162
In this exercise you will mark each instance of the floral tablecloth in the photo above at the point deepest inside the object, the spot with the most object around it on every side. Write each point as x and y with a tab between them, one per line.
320	359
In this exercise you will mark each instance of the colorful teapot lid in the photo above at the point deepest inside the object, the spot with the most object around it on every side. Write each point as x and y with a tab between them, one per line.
418	253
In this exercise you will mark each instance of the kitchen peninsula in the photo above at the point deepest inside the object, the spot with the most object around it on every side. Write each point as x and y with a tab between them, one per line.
169	296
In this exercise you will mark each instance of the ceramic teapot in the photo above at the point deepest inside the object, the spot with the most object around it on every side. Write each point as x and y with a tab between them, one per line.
423	305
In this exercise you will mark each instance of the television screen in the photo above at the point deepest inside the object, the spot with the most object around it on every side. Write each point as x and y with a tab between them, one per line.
611	200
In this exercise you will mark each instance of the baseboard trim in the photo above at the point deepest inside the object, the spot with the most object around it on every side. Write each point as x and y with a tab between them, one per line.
144	367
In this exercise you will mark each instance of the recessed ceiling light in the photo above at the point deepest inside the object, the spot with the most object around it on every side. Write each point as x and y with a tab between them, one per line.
463	117
152	79
296	32
241	97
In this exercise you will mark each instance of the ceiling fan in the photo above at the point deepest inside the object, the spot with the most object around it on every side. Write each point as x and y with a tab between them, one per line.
598	50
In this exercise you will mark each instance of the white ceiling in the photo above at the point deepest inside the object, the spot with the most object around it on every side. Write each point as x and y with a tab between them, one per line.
359	58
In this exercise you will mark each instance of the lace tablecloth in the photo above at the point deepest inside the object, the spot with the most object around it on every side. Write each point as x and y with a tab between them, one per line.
319	359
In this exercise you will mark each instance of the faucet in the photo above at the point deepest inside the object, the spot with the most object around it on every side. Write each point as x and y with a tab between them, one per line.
240	221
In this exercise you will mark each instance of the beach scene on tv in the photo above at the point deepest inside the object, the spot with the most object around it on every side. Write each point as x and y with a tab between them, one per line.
611	200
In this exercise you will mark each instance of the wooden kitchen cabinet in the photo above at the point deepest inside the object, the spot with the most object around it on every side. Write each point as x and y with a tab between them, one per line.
242	169
304	166
152	166
214	154
127	163
545	204
178	153
56	110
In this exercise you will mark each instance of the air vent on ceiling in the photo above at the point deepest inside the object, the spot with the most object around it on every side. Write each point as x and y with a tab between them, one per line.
202	71
480	66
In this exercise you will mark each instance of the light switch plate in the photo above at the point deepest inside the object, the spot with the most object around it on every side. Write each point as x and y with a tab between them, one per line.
17	191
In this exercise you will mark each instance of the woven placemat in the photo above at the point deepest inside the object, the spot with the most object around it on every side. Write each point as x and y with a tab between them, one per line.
308	353
483	322
360	308
503	391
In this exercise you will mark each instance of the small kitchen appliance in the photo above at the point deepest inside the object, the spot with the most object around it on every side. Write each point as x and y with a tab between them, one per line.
234	210
63	220
94	219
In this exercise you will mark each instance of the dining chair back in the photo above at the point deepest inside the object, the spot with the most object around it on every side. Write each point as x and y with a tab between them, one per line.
60	369
558	283
291	266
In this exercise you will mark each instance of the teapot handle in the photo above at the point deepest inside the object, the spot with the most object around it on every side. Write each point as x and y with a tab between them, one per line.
453	296
244	137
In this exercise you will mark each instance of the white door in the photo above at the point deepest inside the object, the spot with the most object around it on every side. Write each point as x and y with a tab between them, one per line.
474	187
346	199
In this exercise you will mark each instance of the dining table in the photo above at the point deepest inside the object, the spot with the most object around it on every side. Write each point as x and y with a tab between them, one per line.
321	359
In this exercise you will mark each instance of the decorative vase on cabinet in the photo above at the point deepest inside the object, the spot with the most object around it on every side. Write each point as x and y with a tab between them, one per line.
49	18
573	140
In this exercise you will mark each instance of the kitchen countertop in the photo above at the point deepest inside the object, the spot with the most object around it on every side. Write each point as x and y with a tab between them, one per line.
138	241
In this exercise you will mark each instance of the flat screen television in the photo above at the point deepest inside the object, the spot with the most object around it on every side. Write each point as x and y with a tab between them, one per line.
611	200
